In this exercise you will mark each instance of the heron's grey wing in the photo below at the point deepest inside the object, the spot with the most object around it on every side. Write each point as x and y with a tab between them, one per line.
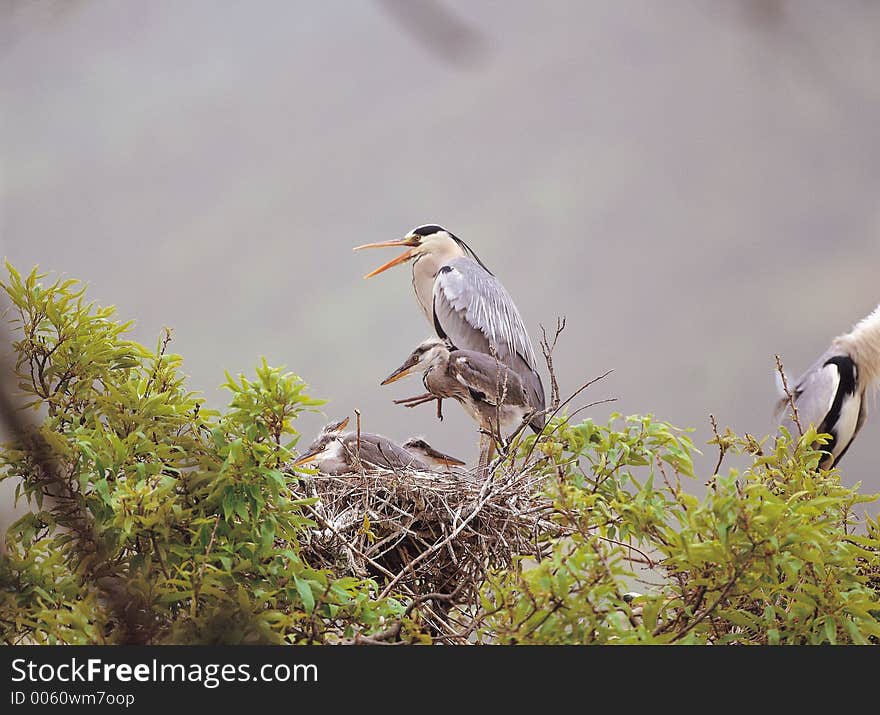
813	396
490	377
474	311
382	452
468	298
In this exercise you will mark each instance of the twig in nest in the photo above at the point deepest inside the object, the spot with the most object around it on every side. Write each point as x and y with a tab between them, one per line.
436	533
439	545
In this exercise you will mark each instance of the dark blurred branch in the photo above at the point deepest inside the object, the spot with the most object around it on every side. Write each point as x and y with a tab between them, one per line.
767	14
66	507
21	17
438	29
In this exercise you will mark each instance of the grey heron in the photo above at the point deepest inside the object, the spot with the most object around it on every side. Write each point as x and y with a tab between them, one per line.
831	395
489	391
467	304
338	452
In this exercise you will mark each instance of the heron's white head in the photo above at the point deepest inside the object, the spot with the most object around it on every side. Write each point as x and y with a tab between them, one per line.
429	455
863	344
430	352
327	445
427	240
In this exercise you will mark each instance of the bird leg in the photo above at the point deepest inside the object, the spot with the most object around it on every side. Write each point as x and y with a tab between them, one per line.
487	447
421	399
417	400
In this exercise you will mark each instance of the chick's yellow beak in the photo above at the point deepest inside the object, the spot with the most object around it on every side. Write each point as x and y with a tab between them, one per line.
448	461
339	426
401	372
306	458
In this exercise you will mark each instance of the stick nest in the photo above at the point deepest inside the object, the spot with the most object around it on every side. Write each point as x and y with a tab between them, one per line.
430	535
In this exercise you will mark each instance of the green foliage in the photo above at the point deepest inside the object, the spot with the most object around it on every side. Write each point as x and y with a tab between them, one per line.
768	556
194	529
163	521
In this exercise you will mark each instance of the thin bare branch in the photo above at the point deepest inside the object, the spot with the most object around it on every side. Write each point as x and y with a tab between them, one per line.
789	396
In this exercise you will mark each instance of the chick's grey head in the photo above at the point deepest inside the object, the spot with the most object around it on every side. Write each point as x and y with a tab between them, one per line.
424	451
326	442
428	353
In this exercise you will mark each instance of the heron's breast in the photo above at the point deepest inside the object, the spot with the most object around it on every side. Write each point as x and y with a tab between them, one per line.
512	415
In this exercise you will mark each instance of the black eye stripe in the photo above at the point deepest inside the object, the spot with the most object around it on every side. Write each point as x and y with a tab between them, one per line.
428	229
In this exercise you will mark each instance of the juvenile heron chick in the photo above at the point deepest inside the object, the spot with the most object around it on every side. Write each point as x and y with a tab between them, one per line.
429	455
832	394
338	452
489	391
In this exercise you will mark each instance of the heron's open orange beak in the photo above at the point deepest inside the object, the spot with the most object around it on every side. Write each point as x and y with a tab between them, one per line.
410	241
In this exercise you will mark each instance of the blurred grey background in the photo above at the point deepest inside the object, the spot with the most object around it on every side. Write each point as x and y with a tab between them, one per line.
693	184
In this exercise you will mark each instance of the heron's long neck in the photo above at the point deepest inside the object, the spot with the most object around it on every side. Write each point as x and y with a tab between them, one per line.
435	372
439	363
425	267
423	273
863	344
